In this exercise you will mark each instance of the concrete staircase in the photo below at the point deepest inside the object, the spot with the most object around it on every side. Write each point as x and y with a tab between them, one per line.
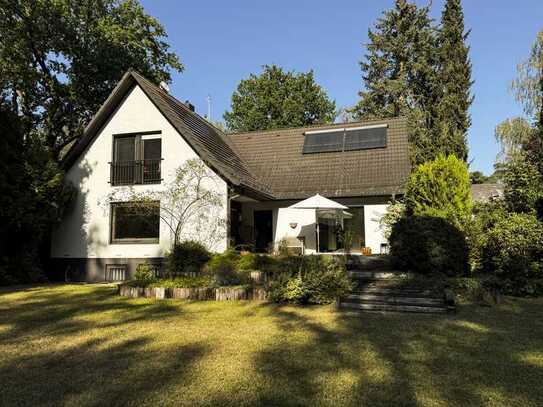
379	288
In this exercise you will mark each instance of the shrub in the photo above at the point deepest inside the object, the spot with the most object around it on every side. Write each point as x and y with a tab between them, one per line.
395	212
185	282
427	245
513	248
144	275
523	185
485	216
252	261
323	287
186	257
440	188
223	268
309	280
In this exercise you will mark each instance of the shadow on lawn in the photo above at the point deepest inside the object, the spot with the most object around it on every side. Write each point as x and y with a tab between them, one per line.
482	356
105	367
473	359
63	311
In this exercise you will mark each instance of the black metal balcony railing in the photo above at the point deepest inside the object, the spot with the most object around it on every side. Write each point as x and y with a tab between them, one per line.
135	172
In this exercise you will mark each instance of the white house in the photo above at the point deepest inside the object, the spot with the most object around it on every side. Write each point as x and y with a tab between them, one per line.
142	134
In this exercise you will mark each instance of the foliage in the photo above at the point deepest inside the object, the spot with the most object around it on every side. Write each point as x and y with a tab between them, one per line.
258	262
527	86
144	275
399	56
191	205
477	177
454	74
309	280
512	135
188	256
60	60
484	217
528	90
429	245
278	98
200	281
514	247
523	185
394	212
440	188
34	198
222	268
413	70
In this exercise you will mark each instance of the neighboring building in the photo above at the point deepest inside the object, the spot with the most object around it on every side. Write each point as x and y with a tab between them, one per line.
486	192
142	134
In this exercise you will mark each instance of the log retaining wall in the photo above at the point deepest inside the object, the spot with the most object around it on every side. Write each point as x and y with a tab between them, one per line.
201	294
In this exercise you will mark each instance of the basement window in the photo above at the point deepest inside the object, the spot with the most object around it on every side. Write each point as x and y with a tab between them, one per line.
135	223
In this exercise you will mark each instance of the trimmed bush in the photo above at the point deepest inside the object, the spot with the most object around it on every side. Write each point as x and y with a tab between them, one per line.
186	257
426	244
513	248
440	189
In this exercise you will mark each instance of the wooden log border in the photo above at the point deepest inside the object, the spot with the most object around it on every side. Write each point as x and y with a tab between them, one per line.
198	294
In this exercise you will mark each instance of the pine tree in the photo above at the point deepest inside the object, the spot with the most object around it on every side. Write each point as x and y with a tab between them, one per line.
399	75
454	75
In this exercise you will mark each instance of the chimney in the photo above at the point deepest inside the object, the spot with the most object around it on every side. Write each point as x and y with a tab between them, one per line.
189	105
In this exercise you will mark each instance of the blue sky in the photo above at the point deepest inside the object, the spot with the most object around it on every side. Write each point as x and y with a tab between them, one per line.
222	42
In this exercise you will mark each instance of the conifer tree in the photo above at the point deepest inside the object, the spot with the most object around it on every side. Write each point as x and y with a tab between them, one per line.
454	77
399	75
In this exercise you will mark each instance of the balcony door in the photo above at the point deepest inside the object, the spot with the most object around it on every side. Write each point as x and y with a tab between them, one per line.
136	159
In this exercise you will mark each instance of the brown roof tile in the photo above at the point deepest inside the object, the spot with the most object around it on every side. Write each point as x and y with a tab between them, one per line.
275	158
270	164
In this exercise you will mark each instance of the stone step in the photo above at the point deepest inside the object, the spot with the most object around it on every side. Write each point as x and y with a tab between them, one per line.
393	308
398	291
376	275
368	263
398	300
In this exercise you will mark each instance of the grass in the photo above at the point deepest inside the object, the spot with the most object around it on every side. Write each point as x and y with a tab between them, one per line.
81	345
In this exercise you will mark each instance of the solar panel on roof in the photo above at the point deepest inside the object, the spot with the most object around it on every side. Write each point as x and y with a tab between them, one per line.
365	138
349	139
323	142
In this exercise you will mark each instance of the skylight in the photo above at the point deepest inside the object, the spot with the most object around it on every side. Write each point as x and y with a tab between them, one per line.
345	139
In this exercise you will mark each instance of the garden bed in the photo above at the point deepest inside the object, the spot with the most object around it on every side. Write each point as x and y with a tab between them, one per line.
195	293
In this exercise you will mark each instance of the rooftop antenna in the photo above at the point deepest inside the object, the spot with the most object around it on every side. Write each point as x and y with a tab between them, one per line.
209	107
164	86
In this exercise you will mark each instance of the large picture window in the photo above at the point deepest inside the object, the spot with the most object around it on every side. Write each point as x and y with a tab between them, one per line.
135	223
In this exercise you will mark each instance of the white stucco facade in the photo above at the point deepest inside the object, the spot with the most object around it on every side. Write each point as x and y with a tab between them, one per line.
85	230
373	231
305	220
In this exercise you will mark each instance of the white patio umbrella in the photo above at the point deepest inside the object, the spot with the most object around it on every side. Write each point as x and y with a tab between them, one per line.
324	205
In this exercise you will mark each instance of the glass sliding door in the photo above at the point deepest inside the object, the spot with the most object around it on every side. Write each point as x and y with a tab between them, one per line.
355	226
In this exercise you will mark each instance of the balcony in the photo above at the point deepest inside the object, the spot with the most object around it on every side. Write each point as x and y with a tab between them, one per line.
135	172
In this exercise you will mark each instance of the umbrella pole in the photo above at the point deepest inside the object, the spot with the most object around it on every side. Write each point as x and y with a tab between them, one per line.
318	236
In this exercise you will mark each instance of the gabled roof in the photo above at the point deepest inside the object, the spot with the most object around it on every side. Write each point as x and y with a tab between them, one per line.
276	158
213	146
271	164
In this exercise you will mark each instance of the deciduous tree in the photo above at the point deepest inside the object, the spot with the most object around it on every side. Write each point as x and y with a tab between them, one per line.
277	98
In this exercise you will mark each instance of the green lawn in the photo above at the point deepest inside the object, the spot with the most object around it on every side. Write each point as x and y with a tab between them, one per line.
81	345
